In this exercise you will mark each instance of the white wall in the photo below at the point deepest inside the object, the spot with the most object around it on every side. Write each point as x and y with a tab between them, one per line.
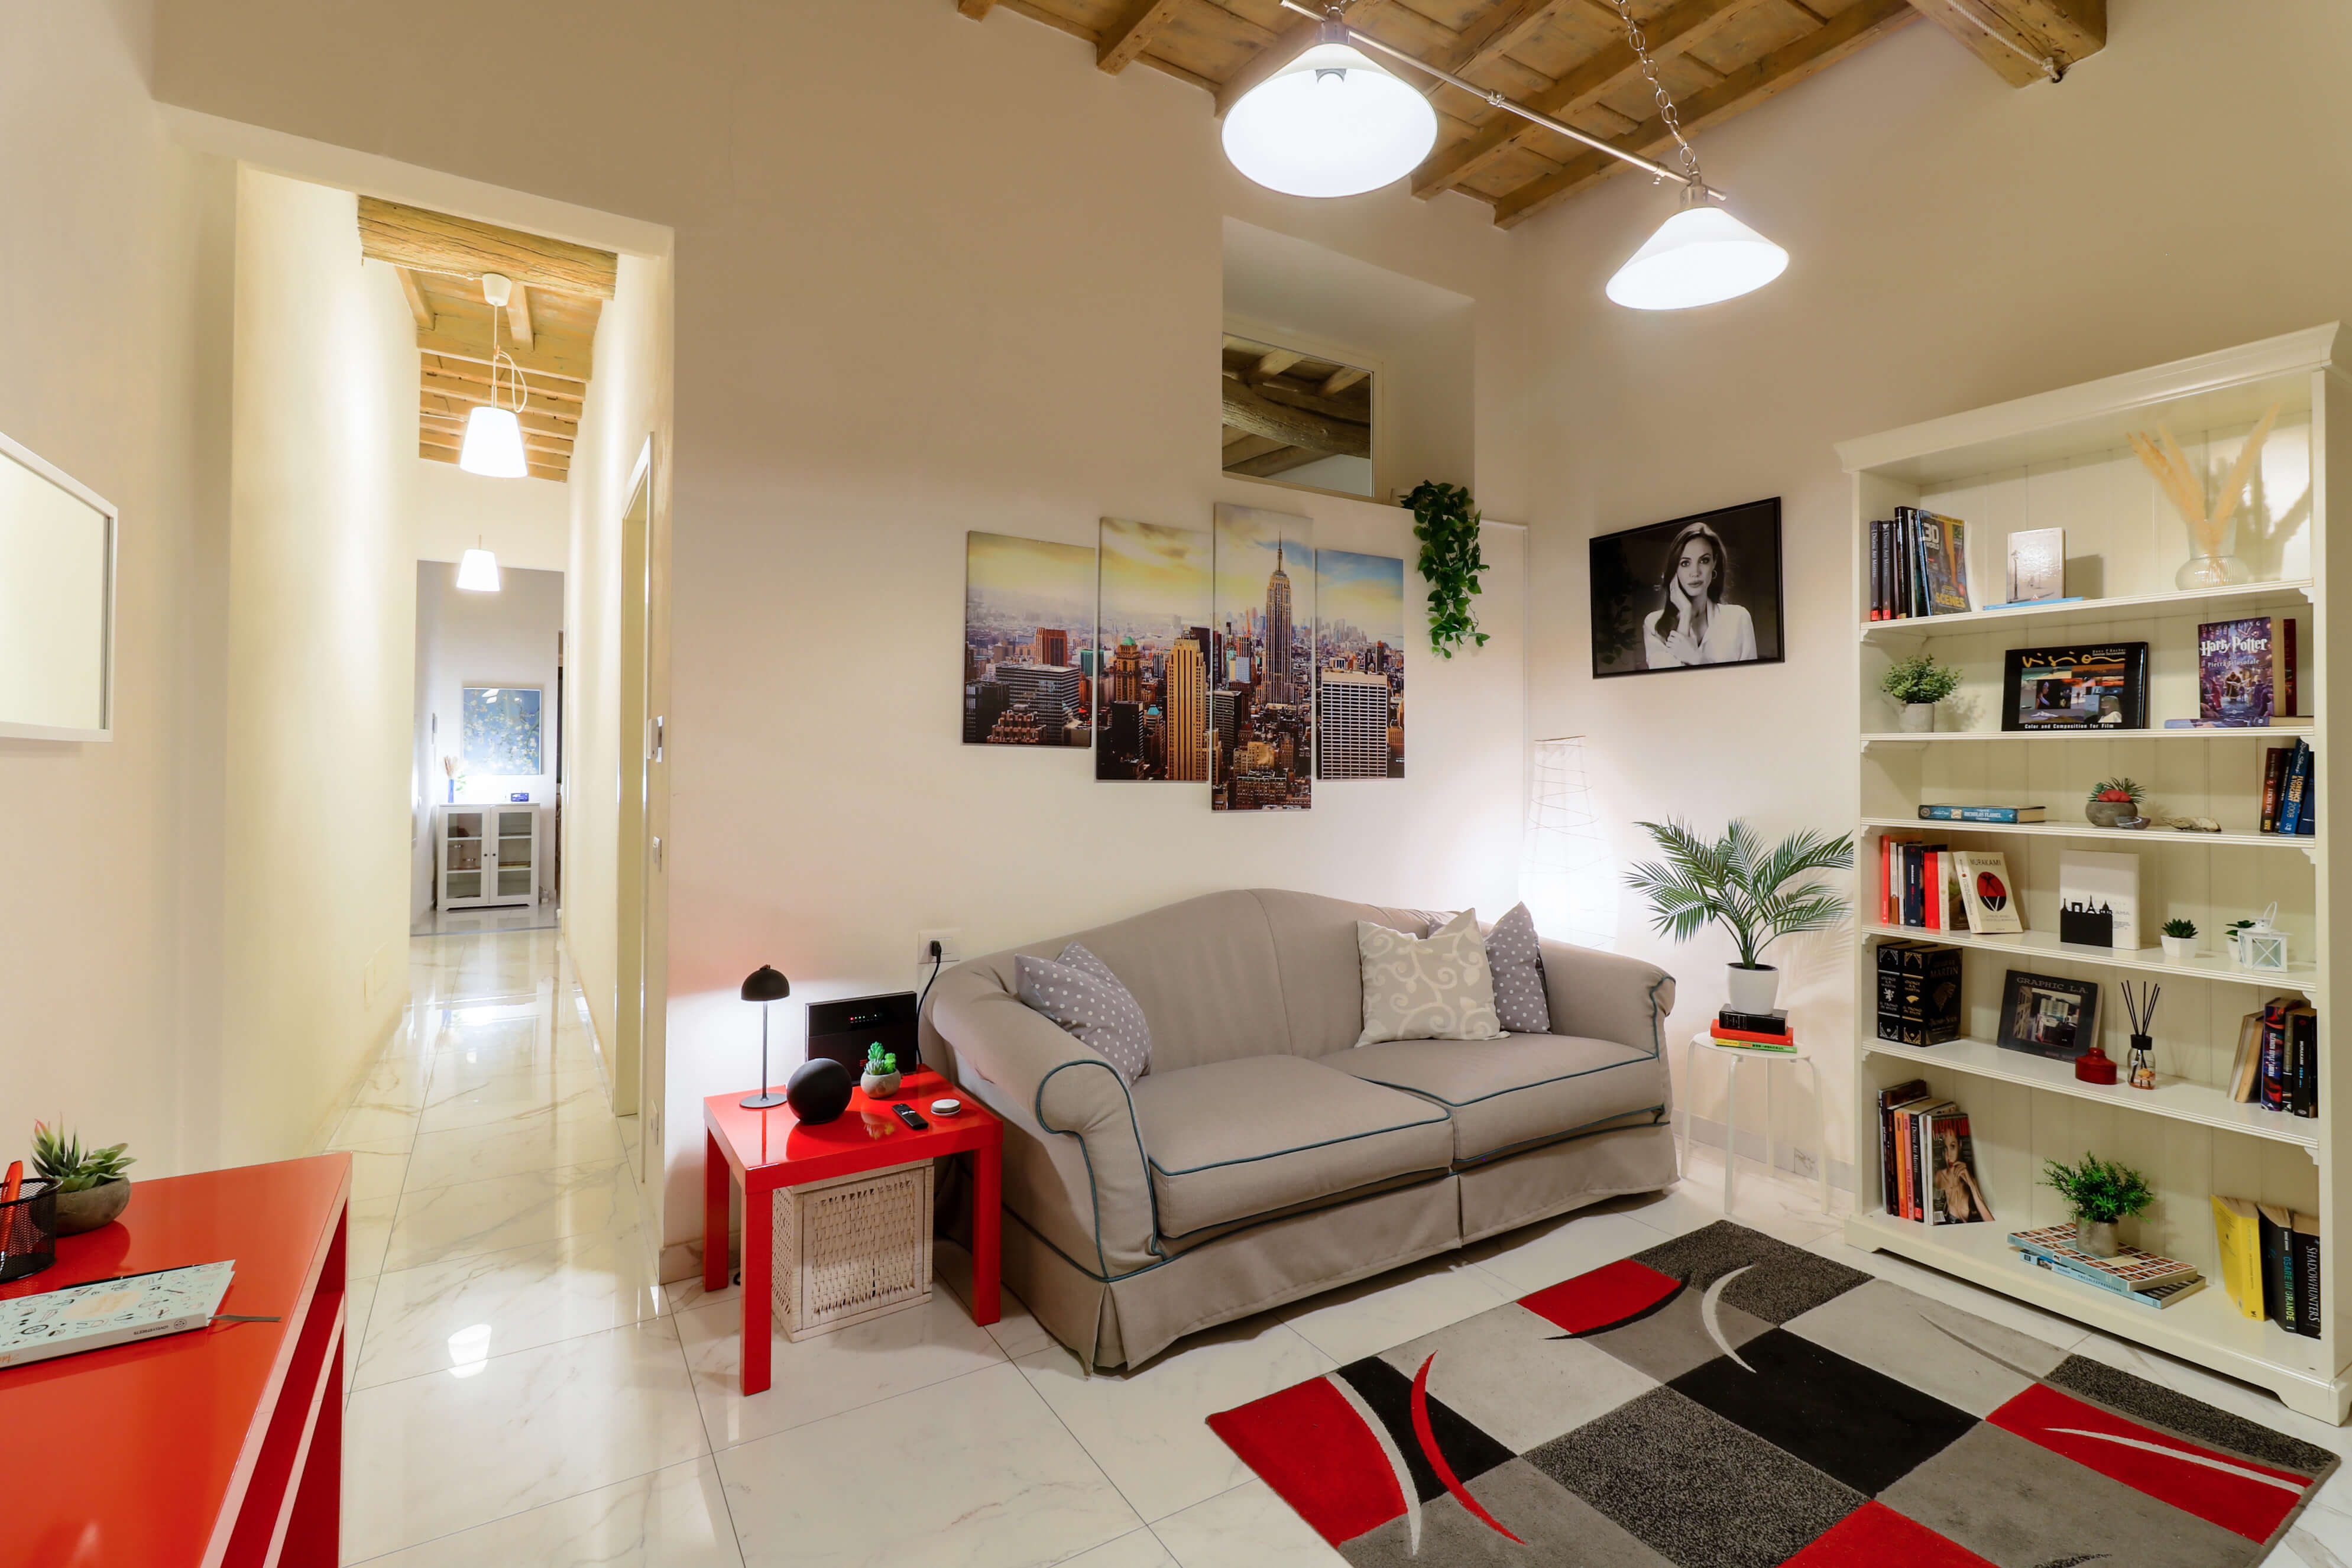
523	522
1954	243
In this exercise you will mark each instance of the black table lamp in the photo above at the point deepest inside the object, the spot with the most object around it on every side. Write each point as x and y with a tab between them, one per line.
764	986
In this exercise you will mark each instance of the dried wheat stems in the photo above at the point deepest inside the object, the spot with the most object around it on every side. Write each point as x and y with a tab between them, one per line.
2185	483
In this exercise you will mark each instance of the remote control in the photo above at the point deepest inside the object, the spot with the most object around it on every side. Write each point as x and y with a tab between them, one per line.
907	1114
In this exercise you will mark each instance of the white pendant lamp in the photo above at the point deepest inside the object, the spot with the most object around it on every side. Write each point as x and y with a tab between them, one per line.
1332	123
477	571
493	445
1329	123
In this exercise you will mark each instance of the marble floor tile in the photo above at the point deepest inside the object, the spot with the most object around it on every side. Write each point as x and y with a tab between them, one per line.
682	1294
469	1217
1135	1549
429	1456
359	1298
367	1228
1148	1429
1368	1317
445	1315
375	1124
2051	1327
865	1363
984	1478
674	1517
533	1097
1016	1333
377	1169
1543	1253
478	1153
1248	1527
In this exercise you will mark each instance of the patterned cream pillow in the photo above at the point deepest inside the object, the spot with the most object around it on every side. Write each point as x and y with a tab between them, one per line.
1436	988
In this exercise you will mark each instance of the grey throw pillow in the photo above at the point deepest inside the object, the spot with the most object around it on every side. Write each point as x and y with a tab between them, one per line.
1077	991
1433	988
1515	960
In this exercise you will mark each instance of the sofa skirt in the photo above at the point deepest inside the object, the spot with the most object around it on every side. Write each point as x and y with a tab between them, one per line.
1556	1178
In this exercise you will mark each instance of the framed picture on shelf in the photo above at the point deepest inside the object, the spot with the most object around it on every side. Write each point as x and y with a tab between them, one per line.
1696	591
2088	687
2047	1017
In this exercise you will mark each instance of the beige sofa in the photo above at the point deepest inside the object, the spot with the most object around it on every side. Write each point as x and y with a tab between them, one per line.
1265	1157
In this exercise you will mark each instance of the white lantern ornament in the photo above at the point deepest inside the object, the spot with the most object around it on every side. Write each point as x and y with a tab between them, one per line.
2262	946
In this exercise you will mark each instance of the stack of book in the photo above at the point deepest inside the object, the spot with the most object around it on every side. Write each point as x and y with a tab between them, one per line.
2270	1262
1919	885
1918	565
2290	794
2277	1066
1755	1031
2144	1278
1918	992
1927	1158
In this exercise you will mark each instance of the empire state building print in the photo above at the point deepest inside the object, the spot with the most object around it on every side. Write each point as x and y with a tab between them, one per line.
1261	709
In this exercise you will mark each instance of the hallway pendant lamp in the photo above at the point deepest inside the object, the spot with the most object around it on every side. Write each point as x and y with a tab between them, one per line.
477	569
1334	124
493	447
764	986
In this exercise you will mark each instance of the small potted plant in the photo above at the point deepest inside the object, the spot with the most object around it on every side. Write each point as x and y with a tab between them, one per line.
1919	683
1746	887
91	1188
2230	935
2100	1193
2112	801
2179	940
881	1079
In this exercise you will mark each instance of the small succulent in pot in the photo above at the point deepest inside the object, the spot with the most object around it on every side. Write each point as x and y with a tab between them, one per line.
2112	801
2179	940
2100	1193
1919	683
91	1187
881	1078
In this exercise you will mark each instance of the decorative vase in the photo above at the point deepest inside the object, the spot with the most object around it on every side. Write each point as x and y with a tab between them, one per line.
452	792
92	1207
2094	1065
2096	1237
2108	813
1753	990
880	1085
2212	572
2178	949
1917	718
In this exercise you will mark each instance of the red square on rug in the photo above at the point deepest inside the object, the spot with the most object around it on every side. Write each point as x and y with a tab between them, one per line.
1313	1449
1875	1535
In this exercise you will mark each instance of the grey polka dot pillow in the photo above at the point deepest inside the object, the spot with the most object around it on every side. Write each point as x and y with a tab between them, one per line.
1517	961
1077	991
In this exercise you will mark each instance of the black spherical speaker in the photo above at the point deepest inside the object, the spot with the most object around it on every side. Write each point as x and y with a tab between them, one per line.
819	1091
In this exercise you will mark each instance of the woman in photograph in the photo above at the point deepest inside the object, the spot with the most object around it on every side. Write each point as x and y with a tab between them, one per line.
1695	625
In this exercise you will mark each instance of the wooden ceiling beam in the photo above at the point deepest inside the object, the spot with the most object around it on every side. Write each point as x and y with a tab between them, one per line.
454	381
1339	380
1273	362
565	358
1503	29
1860	25
541	445
2015	38
1669	34
1243	445
563	419
1246	409
459	407
551	469
975	9
1132	34
1281	461
414	293
461	248
1287	45
519	315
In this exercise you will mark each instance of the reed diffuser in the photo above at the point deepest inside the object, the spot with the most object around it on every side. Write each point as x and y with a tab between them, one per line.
2140	1005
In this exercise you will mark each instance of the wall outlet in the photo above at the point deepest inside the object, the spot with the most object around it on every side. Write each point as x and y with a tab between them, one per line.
951	947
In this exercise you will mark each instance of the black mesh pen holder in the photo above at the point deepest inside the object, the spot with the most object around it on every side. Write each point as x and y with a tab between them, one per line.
28	1230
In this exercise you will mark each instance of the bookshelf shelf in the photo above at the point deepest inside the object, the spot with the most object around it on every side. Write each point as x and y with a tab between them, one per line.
2061	460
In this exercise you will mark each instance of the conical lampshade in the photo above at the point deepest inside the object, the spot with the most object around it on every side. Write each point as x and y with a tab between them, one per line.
478	572
1699	256
493	445
1329	123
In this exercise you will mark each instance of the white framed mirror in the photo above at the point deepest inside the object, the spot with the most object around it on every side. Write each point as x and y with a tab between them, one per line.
57	603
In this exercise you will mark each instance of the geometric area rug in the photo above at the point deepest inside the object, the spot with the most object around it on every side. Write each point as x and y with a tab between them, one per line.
1726	1400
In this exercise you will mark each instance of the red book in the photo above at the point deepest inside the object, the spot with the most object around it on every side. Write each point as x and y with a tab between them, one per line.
1720	1033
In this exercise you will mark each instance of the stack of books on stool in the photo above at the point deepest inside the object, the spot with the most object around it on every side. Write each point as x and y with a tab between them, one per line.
1755	1031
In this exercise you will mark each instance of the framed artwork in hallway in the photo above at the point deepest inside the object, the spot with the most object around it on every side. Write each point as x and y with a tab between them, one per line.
501	735
1149	669
1028	616
1261	691
1690	593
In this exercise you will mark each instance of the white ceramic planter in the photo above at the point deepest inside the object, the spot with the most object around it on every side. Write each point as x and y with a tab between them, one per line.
1753	990
1917	719
2178	949
880	1085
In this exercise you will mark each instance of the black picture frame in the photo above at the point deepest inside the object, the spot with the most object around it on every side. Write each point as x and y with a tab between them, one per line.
1629	586
2031	676
2033	1016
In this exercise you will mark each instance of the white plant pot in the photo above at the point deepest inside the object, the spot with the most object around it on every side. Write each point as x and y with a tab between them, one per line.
880	1085
2178	949
1917	718
1753	990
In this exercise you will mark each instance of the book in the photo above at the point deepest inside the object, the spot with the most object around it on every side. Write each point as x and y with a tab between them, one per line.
1992	905
2130	1270
2245	669
1999	814
2157	1299
1878	570
2245	1071
2217	723
2302	1092
2237	1240
2273	773
105	1312
1955	1195
1735	1043
2037	565
2098	899
2295	789
2279	1297
1775	1024
1919	993
2090	686
1888	1099
1944	554
2303	1246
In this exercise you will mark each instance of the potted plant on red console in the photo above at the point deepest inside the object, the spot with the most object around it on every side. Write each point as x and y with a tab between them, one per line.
91	1188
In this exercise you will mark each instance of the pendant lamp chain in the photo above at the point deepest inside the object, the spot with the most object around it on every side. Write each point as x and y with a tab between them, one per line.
1666	110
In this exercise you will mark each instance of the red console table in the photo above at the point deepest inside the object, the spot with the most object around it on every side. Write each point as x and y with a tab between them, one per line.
217	1448
770	1148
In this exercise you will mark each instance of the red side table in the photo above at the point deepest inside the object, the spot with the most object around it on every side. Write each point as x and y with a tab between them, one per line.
765	1150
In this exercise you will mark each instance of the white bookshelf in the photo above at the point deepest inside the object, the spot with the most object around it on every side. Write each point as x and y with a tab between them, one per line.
2061	460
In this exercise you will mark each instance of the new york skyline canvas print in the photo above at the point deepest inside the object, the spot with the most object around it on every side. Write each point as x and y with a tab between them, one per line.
1359	666
1028	615
1262	688
1149	669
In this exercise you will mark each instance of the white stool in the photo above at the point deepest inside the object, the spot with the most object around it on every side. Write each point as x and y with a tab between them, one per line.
1770	1059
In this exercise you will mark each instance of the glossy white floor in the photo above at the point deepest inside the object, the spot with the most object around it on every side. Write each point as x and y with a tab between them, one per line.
523	1391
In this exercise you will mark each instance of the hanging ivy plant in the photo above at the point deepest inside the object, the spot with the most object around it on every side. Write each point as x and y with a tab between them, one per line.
1446	523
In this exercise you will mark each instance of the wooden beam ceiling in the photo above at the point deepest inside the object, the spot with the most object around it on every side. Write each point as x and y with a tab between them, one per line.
2024	41
461	248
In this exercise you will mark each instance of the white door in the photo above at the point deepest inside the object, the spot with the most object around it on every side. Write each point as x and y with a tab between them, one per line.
468	861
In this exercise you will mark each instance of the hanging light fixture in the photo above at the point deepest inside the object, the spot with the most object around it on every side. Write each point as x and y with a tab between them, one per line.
1325	125
494	431
478	570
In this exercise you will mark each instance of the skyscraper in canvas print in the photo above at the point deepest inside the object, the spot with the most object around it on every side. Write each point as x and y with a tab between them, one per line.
1149	669
1262	659
1359	666
1028	615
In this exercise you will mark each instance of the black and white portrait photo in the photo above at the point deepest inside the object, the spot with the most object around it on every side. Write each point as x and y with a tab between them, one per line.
1696	591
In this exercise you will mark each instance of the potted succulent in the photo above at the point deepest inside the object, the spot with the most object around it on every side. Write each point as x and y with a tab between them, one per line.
2179	940
2100	1194
1748	889
1919	683
91	1188
881	1079
2230	935
2112	801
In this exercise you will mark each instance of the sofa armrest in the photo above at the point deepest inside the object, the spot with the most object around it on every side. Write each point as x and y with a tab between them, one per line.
1607	996
1074	1163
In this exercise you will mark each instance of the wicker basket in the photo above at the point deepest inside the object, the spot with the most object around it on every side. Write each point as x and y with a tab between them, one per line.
851	1249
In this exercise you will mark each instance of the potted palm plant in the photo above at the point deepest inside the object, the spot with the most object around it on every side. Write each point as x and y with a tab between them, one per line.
1753	892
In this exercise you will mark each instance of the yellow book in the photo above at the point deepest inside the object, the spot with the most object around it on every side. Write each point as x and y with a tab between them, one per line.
2237	1235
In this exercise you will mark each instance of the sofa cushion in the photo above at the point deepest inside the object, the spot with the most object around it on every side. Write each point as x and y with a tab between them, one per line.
1079	993
1432	988
1515	955
1230	1141
1516	1092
